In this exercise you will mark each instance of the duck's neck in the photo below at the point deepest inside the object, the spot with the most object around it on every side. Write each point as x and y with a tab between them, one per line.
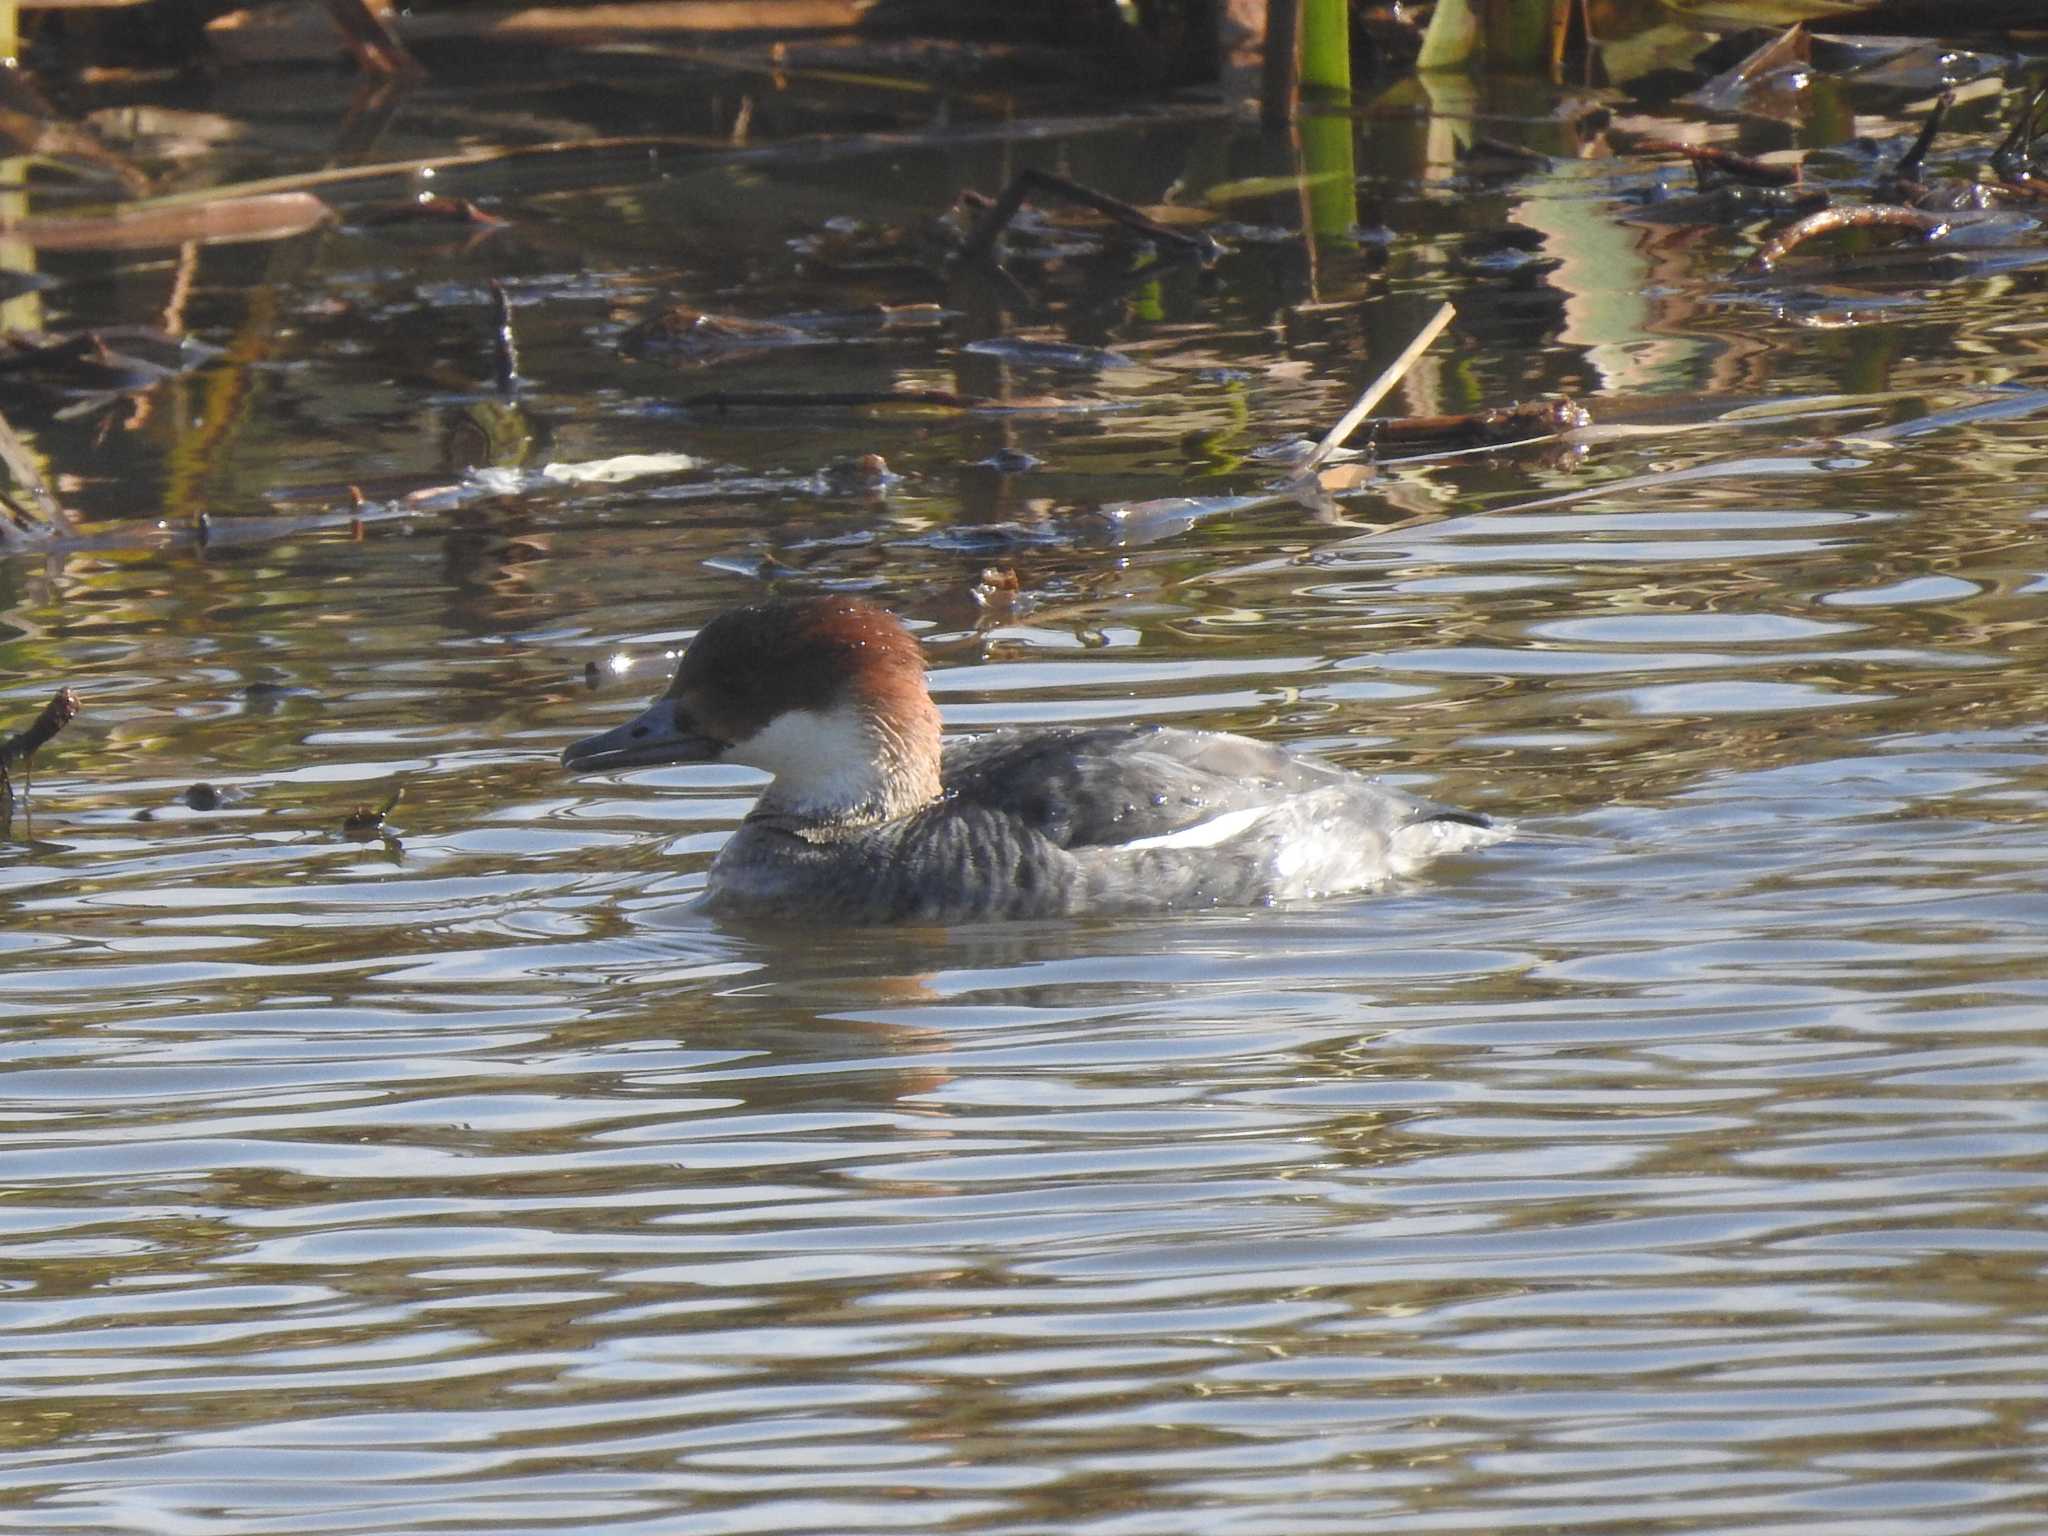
841	770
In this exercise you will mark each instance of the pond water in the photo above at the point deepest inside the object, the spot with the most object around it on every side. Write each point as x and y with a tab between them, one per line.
1678	1165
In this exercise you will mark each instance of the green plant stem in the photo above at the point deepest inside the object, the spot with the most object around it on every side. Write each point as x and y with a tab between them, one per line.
1326	45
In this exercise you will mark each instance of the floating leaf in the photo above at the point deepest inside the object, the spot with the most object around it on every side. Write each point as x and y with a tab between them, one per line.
145	226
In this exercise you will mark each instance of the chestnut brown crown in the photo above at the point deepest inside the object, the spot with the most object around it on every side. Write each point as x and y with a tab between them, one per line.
751	664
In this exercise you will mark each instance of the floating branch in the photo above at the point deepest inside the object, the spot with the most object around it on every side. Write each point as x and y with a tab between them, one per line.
220	220
1929	226
1013	197
1504	424
1708	157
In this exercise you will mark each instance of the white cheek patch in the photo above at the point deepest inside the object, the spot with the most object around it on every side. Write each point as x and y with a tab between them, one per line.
1210	833
822	759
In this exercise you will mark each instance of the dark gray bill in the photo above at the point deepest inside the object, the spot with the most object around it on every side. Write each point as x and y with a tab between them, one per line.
663	734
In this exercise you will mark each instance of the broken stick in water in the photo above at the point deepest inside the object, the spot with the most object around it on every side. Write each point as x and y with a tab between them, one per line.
1375	392
58	713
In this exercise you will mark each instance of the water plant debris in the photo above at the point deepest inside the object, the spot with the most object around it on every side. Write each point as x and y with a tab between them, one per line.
1929	226
998	213
21	746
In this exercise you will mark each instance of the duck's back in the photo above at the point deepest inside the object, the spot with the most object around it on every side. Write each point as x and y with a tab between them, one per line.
1109	785
1144	818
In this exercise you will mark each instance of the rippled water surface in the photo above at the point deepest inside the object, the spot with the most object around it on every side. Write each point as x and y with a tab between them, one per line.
1676	1166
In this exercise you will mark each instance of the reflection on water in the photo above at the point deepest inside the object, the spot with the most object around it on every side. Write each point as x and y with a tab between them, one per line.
1677	1166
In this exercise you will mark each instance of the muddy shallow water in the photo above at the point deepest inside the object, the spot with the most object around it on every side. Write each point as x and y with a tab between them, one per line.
1678	1165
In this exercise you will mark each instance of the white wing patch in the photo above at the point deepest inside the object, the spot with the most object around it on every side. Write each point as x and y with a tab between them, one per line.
1210	833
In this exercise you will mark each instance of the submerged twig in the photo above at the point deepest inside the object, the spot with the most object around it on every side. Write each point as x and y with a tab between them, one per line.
1375	392
1929	226
1013	197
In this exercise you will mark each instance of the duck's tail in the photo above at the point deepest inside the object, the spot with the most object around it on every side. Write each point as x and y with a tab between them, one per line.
1438	831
